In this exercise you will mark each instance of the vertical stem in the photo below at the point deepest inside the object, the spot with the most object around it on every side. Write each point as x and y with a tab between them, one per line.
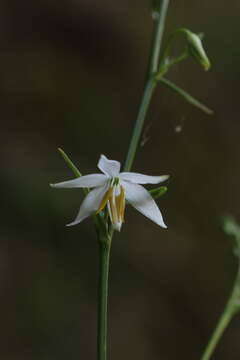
150	81
105	243
104	256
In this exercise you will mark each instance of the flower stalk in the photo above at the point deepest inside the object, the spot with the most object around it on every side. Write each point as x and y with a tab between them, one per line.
104	257
105	245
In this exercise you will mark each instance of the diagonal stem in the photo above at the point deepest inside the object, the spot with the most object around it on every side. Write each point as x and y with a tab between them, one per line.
145	102
222	324
150	83
230	310
189	98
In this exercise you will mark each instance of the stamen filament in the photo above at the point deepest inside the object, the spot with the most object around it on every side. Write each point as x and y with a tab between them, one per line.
112	209
121	204
118	206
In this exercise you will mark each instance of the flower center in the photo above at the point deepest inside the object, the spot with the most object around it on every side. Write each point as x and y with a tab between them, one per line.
114	197
115	181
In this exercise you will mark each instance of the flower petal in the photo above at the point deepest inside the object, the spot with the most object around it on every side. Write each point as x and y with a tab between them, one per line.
137	178
140	198
92	180
109	167
90	204
117	226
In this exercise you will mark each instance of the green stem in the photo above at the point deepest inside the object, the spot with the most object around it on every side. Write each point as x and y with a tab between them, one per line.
223	322
147	95
104	256
159	24
230	310
189	98
150	81
105	241
165	52
72	167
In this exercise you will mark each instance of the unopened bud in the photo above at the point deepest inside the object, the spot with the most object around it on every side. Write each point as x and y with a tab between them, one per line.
196	49
156	193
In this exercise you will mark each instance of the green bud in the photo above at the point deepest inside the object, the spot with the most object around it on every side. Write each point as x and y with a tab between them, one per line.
156	193
196	49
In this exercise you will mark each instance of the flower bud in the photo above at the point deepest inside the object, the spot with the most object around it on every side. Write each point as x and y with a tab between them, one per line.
196	49
156	193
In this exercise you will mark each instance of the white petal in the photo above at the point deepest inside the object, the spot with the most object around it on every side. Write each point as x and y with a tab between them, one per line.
142	179
90	204
92	180
140	198
109	167
117	226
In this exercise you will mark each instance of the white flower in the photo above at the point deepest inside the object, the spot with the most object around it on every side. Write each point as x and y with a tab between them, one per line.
111	189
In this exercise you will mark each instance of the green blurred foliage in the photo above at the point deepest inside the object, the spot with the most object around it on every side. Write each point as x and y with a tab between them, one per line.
71	76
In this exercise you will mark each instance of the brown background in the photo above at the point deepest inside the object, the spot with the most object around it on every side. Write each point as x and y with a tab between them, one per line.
71	75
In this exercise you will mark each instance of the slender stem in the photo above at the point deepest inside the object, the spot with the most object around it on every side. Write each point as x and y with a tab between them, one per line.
104	256
223	322
231	308
189	98
178	59
165	52
147	95
150	81
72	167
159	24
105	242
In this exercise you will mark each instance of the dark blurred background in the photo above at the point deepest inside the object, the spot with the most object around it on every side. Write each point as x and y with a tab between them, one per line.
72	73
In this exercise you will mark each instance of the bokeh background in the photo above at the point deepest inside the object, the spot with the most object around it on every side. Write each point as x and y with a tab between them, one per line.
71	75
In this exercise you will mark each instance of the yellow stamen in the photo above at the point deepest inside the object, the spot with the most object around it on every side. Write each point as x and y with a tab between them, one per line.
120	205
112	209
106	197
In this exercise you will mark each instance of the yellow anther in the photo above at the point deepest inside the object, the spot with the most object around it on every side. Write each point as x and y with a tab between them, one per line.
112	209
106	197
120	205
121	212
